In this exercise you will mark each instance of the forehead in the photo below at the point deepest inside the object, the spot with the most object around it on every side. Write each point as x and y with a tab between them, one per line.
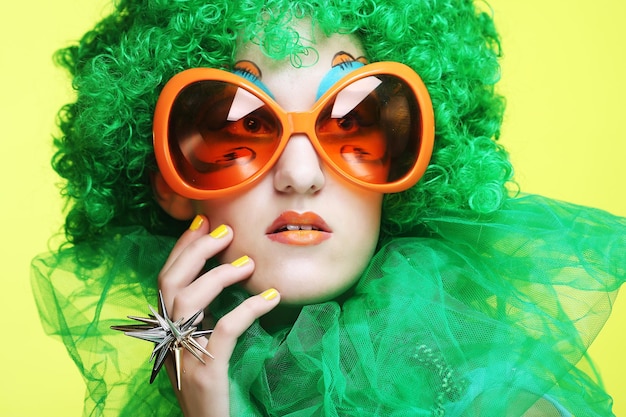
294	80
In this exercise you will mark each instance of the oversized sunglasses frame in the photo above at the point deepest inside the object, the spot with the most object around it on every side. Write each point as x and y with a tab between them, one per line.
292	123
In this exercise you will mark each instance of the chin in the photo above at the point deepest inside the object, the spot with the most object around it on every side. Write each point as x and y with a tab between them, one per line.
302	300
297	294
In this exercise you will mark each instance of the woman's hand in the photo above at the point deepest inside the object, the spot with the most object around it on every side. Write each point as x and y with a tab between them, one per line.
204	387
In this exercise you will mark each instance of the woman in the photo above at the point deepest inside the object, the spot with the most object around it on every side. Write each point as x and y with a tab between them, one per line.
447	297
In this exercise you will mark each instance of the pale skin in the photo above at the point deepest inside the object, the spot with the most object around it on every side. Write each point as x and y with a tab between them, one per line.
275	270
235	230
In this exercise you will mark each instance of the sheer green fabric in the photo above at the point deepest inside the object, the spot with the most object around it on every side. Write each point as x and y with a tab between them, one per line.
79	304
484	317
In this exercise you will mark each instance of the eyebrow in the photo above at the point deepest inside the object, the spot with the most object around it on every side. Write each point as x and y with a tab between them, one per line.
341	64
343	57
251	72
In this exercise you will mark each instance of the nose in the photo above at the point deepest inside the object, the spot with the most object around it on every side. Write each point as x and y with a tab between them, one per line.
299	169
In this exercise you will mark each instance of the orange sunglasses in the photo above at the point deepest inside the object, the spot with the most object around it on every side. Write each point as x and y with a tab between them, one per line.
216	133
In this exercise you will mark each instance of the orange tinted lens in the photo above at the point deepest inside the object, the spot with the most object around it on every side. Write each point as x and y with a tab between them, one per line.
370	129
220	134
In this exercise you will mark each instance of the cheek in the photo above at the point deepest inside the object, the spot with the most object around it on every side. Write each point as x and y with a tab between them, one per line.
365	236
222	211
246	219
360	228
363	213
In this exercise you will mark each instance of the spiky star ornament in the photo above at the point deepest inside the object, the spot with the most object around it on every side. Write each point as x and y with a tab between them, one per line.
167	336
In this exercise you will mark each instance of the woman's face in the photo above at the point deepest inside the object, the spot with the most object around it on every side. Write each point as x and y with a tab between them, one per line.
309	232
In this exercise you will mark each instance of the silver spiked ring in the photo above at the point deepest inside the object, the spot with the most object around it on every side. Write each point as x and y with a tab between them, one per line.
167	336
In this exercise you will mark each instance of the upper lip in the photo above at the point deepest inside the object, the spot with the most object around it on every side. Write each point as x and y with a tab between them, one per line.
291	218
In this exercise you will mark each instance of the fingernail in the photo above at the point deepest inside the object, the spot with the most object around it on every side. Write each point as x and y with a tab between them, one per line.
196	223
241	261
269	294
219	232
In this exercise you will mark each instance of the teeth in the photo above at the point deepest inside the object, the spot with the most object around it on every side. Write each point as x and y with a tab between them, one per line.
294	227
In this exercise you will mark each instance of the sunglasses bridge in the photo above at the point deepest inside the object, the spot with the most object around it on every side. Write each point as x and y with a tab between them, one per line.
297	123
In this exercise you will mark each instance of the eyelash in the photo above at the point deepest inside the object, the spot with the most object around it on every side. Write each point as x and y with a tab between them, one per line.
247	74
346	64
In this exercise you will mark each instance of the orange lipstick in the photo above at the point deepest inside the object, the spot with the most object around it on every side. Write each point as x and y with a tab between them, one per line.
299	229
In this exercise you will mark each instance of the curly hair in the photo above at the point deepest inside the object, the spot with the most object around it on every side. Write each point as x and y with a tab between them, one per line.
104	152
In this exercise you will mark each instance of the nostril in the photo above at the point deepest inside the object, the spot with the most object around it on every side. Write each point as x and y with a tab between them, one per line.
299	168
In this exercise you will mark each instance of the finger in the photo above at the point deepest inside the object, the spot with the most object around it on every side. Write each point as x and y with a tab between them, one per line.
201	292
194	256
228	329
184	269
222	342
198	227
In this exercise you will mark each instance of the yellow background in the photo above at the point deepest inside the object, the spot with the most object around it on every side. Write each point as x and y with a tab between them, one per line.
565	128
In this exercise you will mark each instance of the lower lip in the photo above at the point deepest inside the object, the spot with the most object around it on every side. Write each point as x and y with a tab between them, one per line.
300	237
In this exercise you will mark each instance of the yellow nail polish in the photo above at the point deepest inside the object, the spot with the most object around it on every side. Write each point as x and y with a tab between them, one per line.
219	232
196	223
241	261
269	294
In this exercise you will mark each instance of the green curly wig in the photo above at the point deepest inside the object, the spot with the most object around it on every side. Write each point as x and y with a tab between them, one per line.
118	68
